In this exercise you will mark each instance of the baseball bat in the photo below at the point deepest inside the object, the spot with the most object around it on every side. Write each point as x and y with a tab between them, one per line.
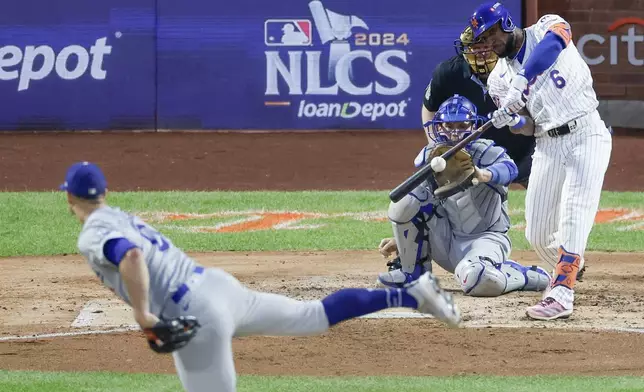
421	175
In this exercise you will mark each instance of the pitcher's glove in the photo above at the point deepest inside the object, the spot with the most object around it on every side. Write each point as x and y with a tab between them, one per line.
458	173
168	336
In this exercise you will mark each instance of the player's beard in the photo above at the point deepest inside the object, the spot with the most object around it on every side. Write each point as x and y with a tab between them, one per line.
508	48
510	45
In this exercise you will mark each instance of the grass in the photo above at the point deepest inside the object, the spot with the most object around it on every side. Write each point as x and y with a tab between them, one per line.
39	223
116	382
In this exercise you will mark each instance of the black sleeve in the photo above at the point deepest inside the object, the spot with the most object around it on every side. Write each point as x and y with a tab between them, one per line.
435	93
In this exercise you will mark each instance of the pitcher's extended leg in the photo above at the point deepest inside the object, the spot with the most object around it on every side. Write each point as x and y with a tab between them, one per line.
272	314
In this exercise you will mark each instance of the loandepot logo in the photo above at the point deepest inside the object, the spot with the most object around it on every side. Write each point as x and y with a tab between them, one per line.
33	63
349	61
258	220
612	48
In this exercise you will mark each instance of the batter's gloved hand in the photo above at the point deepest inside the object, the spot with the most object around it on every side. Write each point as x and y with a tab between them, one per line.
168	336
515	99
502	118
458	173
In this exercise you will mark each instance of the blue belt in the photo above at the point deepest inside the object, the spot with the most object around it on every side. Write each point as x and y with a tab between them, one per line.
183	289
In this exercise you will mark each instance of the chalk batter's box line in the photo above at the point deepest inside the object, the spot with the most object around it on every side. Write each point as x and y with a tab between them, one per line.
136	328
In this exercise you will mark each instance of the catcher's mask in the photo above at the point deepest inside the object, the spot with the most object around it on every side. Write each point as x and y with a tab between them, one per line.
455	119
481	58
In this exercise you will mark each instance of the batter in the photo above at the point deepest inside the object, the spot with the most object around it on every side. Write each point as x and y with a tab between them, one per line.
159	281
541	71
466	233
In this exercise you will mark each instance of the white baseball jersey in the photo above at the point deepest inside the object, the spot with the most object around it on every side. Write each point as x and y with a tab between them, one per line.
168	266
560	94
567	170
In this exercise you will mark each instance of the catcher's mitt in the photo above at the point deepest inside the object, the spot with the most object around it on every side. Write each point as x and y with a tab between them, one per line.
168	336
458	173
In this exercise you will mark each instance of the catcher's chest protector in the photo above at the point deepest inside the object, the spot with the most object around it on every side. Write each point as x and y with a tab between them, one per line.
472	209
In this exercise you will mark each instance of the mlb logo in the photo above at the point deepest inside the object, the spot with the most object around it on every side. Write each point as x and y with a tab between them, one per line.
287	32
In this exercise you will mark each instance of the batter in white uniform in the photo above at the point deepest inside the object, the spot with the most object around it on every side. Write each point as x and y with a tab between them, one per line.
541	73
159	281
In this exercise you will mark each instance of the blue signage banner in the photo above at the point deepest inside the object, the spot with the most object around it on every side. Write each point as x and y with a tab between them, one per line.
197	64
71	64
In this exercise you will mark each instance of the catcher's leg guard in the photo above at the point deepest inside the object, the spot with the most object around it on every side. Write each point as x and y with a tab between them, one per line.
409	221
534	278
484	278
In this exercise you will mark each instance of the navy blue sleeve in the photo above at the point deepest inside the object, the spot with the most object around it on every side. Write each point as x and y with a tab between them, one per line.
116	248
544	55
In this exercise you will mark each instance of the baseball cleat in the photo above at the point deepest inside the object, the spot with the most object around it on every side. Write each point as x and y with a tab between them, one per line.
395	277
433	300
548	309
582	270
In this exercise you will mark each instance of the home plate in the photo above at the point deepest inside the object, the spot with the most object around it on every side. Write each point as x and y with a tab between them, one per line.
113	313
396	314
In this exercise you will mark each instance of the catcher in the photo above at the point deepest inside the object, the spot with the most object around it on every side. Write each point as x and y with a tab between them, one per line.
459	216
193	312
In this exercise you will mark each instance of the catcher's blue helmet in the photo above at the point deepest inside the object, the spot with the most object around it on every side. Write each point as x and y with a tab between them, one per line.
455	119
489	14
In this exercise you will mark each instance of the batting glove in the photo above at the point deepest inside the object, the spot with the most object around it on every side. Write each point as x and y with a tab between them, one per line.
501	118
515	100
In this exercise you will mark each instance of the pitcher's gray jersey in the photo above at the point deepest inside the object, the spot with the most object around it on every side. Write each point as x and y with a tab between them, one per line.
168	266
479	209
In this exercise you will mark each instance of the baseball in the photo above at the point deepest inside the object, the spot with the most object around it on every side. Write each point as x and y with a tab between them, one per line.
438	164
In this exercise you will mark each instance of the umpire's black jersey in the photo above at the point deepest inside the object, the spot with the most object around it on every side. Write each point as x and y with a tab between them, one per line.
454	76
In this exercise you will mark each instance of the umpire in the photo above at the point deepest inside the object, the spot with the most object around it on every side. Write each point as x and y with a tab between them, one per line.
466	74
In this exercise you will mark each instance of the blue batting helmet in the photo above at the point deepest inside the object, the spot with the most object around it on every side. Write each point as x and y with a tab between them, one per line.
454	120
489	14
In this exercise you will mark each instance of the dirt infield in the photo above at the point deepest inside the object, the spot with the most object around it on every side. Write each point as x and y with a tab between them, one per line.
249	161
45	295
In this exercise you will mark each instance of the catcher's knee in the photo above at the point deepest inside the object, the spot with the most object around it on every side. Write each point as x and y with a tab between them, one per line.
408	207
480	278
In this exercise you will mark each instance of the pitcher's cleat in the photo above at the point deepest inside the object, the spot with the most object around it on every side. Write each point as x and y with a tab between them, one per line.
434	300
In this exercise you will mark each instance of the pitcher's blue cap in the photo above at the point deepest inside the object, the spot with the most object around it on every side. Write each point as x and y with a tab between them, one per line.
84	180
